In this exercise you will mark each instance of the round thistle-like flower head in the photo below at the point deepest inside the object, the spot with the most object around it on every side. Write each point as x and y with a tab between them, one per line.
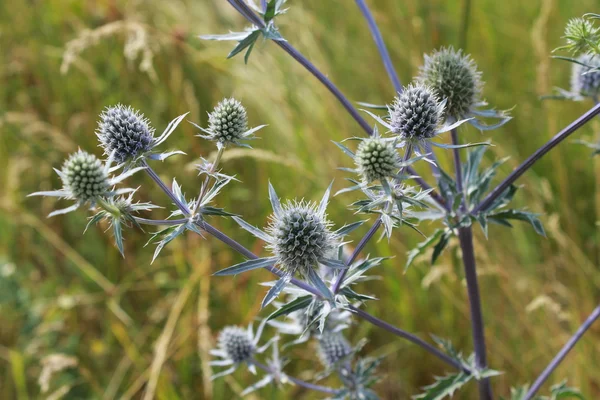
84	176
416	113
333	347
228	122
124	132
376	158
237	344
453	76
301	237
583	82
579	32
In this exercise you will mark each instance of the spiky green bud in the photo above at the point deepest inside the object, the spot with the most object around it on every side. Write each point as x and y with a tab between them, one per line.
84	176
584	82
124	132
376	159
237	344
333	348
228	122
301	237
454	77
416	113
580	34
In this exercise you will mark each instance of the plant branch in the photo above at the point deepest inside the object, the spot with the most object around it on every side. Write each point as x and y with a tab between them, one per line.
296	381
361	245
465	235
408	336
383	51
562	135
458	167
243	9
184	208
563	353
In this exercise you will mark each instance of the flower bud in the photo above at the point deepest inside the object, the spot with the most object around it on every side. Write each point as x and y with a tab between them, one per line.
453	76
84	176
416	113
583	82
333	347
376	158
228	122
124	132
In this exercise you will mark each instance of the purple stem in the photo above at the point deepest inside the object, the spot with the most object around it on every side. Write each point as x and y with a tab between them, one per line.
361	245
385	55
562	135
562	353
408	336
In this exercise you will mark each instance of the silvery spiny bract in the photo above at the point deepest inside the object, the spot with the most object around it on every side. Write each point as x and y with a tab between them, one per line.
454	77
376	158
126	135
333	348
86	180
583	82
300	238
416	113
228	124
237	345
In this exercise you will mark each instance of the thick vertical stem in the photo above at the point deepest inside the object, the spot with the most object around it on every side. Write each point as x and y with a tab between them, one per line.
465	235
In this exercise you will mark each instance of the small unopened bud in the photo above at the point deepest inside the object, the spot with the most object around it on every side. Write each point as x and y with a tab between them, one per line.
416	113
237	344
333	347
85	176
376	159
228	122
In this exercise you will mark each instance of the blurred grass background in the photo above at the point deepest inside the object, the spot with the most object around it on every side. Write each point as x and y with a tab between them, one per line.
122	323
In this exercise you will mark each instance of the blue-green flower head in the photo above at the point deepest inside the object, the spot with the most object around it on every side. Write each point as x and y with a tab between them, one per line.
124	132
86	180
584	81
376	158
454	77
333	348
228	122
237	344
85	177
301	236
416	113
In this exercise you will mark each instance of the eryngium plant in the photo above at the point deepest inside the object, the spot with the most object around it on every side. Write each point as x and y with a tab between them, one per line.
318	273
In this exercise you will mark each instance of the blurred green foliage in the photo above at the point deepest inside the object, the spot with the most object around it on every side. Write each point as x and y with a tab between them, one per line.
121	323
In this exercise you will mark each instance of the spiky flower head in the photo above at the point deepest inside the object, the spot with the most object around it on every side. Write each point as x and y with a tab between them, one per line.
124	132
237	344
581	35
228	122
301	236
416	113
376	158
333	348
84	176
583	82
454	77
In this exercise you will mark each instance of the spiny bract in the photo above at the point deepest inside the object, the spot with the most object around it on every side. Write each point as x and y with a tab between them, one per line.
228	122
84	176
376	158
301	237
579	33
454	77
333	347
124	132
583	82
416	113
237	344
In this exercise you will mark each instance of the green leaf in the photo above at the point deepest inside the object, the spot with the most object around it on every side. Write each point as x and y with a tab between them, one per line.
270	11
246	266
444	387
346	229
562	391
422	247
246	42
521	216
441	245
294	305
